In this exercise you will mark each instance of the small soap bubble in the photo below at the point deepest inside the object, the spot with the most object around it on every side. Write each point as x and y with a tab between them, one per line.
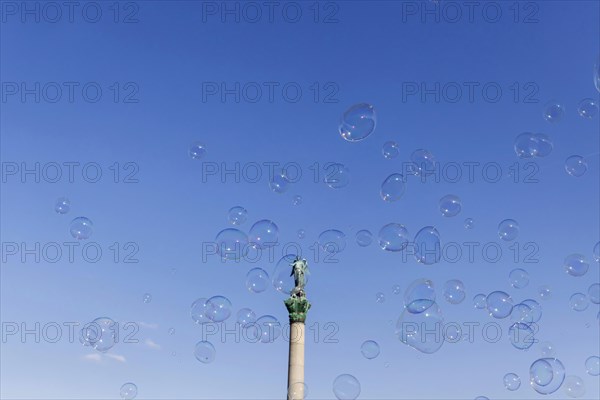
508	230
393	188
297	200
545	292
369	349
393	237
588	108
337	176
512	381
346	387
499	304
396	289
519	278
469	223
245	317
81	228
197	150
128	391
147	298
257	280
390	150
423	162
427	247
592	365
301	233
454	291
205	352
379	297
450	205
576	166
553	111
594	293
364	238
547	349
576	265
358	122
263	234
419	296
62	206
237	215
574	386
278	182
579	302
480	301
546	375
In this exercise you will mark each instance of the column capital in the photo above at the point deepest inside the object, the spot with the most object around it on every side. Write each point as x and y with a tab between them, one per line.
297	307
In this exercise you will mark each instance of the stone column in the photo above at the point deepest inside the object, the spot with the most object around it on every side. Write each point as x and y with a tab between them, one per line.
297	307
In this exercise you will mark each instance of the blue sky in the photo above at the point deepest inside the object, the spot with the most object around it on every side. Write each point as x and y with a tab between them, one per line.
162	63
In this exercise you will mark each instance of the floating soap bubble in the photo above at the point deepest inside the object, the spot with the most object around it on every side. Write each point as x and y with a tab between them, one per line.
128	391
482	398
197	150
337	176
199	311
450	205
297	200
525	145
301	233
597	75
469	223
81	228
297	391
576	265
422	331
454	291
521	313
393	187
171	331
452	332
512	381
596	252
594	293
576	166
396	289
263	234
427	246
232	244
147	298
547	349
257	280
536	309
218	308
546	375
278	182
508	230
245	316
364	238
237	215
283	282
419	296
379	297
332	241
499	304
592	365
62	206
480	301
369	349
346	387
574	386
579	302
101	334
588	108
521	336
545	292
423	162
358	122
553	111
269	328
390	150
519	278
205	352
543	145
393	237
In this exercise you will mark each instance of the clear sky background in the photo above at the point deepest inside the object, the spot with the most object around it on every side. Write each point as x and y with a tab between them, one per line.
367	52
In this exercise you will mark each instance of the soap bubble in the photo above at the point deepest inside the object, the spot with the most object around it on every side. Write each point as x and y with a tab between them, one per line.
205	352
358	122
346	387
454	291
171	331
297	200
393	237
128	391
390	150
499	304
521	313
337	176
579	302
536	309
547	350
245	317
508	230
393	187
427	246
197	150
588	108
269	327
576	265
147	298
199	311
415	330
592	365
450	205
594	293
482	398
597	252
264	234
369	349
521	336
218	308
301	233
257	280
480	301
546	375
278	182
597	75
237	215
232	244
62	206
524	145
419	296
297	391
283	282
543	145
81	228
576	166
332	241
101	334
364	238
553	111
545	292
379	297
469	223
512	381
396	289
423	162
519	278
574	386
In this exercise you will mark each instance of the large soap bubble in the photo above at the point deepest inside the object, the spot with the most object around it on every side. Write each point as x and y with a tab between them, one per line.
358	122
393	237
422	331
546	375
